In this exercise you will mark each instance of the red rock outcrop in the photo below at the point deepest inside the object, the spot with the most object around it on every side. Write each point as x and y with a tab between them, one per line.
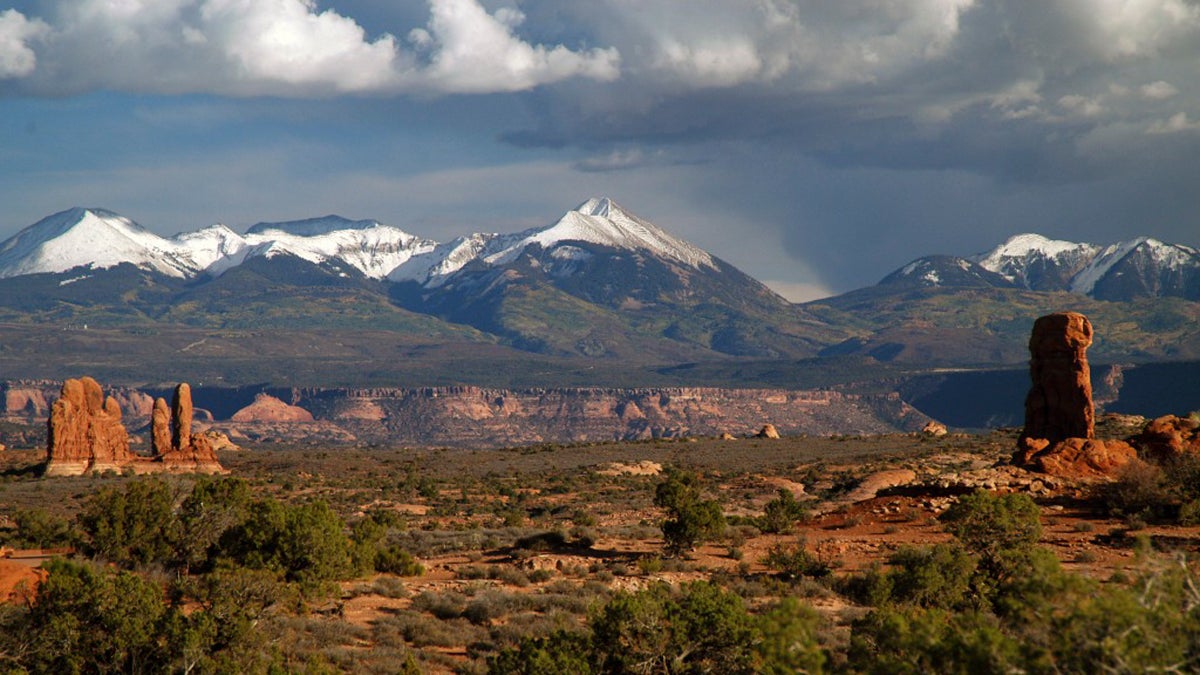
188	452
1083	458
85	432
1169	437
181	416
160	428
768	431
1059	435
1059	404
267	408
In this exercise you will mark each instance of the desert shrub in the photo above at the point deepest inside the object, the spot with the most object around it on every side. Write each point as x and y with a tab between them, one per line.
781	513
690	519
395	560
1141	491
38	528
214	506
910	639
543	541
306	543
934	576
448	605
788	641
795	561
559	652
989	524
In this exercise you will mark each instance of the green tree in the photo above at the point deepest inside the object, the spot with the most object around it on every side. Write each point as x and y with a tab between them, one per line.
990	525
215	506
38	528
690	518
782	513
697	628
306	543
134	526
788	640
95	620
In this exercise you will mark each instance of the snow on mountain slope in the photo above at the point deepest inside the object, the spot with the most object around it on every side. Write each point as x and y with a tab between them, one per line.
100	239
90	238
212	245
596	221
1153	253
1036	262
370	247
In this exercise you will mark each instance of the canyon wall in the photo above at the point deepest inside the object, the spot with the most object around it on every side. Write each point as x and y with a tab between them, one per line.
474	416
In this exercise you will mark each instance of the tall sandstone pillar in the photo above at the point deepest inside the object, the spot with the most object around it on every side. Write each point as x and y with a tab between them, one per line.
1059	436
1059	404
181	419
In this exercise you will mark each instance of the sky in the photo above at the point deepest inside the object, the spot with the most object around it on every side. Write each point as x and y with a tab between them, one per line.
817	145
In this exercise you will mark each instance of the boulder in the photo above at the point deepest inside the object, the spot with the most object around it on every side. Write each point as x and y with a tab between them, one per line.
1169	436
935	429
768	431
1084	458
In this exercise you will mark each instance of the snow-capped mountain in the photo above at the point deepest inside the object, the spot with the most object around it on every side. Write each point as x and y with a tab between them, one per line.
99	239
370	247
1138	268
597	221
92	238
944	270
1141	267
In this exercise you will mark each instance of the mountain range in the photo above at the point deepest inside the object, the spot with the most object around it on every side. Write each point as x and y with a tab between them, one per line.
1128	270
598	283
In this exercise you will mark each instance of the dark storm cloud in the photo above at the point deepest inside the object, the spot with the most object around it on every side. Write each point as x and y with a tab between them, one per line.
856	134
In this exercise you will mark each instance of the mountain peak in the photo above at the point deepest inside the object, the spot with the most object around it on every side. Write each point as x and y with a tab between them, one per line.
602	207
310	227
86	237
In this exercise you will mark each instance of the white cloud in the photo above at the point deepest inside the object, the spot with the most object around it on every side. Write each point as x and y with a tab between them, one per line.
472	51
817	44
282	48
286	41
1177	123
1159	90
1081	105
17	58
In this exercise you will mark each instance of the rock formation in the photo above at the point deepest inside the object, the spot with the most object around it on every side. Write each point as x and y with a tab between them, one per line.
1059	404
1059	435
267	408
181	416
1169	436
768	431
85	432
935	429
160	428
86	435
188	452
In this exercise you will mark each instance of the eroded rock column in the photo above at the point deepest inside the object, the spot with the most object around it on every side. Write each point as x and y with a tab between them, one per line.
1059	403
